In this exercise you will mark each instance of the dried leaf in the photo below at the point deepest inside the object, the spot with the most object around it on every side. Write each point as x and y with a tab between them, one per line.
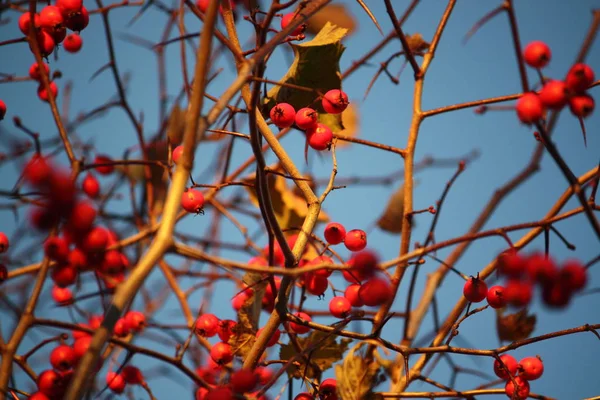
517	326
321	358
176	125
356	377
349	124
316	65
416	43
337	14
393	217
244	332
289	208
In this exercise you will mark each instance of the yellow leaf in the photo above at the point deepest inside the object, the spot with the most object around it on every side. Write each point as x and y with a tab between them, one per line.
349	125
336	14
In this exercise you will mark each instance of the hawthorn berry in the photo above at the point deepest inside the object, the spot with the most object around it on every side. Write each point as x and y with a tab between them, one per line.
537	54
73	43
34	71
64	275
264	375
285	21
4	244
221	353
62	296
315	284
192	201
495	297
340	307
306	118
375	292
512	264
573	275
177	152
304	396
243	380
220	393
475	290
78	21
239	300
531	368
540	268
335	101
579	77
274	338
104	169
82	217
63	358
81	345
365	263
582	105
352	294
51	383
226	329
518	293
132	375
522	389
334	233
202	5
57	249
95	240
25	22
121	328
115	382
356	240
328	389
50	17
319	136
554	94
2	110
322	260
556	294
38	396
68	7
299	328
529	108
207	325
136	320
283	115
78	259
509	368
43	93
37	171
46	43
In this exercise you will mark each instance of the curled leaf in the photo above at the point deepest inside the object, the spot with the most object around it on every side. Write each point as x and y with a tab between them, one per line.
356	377
517	326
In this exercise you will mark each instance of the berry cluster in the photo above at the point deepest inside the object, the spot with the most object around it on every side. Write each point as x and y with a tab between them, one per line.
327	390
318	135
555	94
518	373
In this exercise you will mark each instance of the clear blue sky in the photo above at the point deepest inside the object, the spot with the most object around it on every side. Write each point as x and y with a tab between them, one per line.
484	67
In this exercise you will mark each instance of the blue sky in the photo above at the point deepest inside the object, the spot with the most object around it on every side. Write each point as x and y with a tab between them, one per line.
484	67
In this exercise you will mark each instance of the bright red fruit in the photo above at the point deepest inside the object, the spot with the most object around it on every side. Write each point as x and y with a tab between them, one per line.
207	325
328	389
81	345
573	275
2	110
529	108
38	396
62	296
375	292
322	260
90	186
73	43
51	383
63	358
306	118
177	152
68	7
335	101
315	284
531	368
82	217
508	369
298	328
495	297
522	389
192	201
243	381
352	294
285	21
537	54
365	263
202	5
132	375
554	94
274	338
78	21
104	169
46	43
334	233
510	263
136	320
239	299
51	18
518	293
56	249
340	307
283	115
556	294
304	396
319	136
4	244
475	290
355	240
95	240
225	330
221	353
582	105
34	71
264	375
25	22
115	382
541	268
121	328
579	77
43	93
64	275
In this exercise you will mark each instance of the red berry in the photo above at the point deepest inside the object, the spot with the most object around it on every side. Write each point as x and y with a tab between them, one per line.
78	21
355	240
365	263
510	263
274	338
62	296
573	275
239	299
243	381
306	118
537	54
177	152
56	249
132	375
104	169
285	21
495	297
202	5
582	105
298	328
64	275
319	136
579	77
81	345
518	293
78	259
220	393
2	110
375	292
522	389
475	290
304	396
556	294
554	94
529	108
508	369
226	329
73	43
340	307
192	201
335	101
315	284
34	71
328	389
95	321
207	325
352	294
51	18
46	43
334	233
4	244
264	375
135	320
51	383
116	383
68	7
541	268
95	240
531	368
25	22
283	115
221	353
82	217
37	171
121	328
322	260
43	94
63	358
38	396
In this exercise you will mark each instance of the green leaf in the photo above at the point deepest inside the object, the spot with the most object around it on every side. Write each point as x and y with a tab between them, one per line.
316	65
356	377
321	358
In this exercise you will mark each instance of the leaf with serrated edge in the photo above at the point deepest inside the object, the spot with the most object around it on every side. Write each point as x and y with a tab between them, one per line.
244	332
355	376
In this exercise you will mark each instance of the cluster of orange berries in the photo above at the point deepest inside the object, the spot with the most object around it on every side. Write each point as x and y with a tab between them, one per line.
519	373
